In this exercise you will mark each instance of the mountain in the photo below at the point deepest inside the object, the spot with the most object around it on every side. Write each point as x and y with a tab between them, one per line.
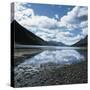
56	43
24	36
82	42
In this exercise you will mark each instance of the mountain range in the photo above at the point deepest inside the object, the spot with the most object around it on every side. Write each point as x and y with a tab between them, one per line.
82	42
25	37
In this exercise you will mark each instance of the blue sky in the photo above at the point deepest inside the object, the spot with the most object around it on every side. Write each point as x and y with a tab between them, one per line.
49	10
61	23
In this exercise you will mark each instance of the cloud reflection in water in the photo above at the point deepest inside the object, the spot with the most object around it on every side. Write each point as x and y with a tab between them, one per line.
62	57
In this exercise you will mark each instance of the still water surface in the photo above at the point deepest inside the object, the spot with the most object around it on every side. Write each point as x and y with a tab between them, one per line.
57	56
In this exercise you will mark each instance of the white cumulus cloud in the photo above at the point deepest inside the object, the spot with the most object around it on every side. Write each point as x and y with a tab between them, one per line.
50	29
56	16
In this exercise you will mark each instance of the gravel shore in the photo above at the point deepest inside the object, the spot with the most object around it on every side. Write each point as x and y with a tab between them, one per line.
50	74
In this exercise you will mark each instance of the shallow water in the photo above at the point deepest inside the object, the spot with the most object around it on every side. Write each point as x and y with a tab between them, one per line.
62	57
33	71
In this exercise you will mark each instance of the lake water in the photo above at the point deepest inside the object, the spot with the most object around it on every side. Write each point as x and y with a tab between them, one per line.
62	57
46	60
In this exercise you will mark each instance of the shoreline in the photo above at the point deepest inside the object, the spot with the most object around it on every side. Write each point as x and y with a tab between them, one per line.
69	74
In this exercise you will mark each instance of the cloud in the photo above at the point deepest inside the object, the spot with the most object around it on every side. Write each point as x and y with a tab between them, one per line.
22	13
50	29
26	17
74	18
56	16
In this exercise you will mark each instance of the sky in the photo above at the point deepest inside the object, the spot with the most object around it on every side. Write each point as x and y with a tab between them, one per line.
59	23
